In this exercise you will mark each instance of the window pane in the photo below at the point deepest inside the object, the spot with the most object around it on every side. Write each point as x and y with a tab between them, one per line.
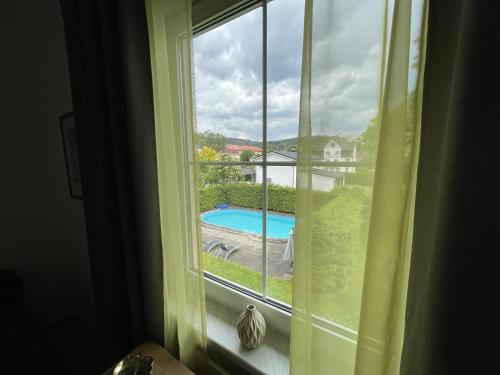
231	226
228	93
346	50
280	227
284	33
228	86
341	205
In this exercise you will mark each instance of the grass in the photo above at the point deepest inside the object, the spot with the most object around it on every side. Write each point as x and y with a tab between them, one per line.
339	308
277	288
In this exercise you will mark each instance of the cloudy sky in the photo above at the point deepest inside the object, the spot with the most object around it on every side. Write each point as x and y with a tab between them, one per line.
345	70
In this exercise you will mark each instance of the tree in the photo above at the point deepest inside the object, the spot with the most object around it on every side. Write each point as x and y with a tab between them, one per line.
209	175
246	155
213	140
207	154
367	142
226	174
368	139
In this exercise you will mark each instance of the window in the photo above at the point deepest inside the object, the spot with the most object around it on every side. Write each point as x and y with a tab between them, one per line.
242	83
247	91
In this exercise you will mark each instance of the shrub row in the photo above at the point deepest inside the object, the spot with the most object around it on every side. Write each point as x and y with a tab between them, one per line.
361	179
338	237
210	197
280	198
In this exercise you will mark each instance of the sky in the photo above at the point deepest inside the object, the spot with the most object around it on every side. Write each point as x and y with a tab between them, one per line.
346	50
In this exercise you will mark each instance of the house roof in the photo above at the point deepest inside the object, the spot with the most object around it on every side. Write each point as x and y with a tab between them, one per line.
288	154
343	143
326	173
240	148
248	171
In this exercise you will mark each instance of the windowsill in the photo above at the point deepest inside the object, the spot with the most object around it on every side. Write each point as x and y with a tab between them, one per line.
272	357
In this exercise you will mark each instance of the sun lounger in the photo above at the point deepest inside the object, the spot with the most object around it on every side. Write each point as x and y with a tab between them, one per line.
210	245
226	251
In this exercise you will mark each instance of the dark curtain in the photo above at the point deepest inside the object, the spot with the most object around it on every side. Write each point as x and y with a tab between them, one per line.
452	321
108	52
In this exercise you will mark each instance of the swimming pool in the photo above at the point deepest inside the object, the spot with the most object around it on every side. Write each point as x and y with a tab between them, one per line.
246	221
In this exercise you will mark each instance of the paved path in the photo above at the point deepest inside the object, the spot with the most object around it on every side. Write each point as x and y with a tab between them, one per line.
250	253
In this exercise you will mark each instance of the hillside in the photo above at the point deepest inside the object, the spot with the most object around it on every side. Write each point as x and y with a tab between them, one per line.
243	142
288	144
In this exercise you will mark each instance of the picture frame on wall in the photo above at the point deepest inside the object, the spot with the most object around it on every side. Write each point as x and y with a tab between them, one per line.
70	146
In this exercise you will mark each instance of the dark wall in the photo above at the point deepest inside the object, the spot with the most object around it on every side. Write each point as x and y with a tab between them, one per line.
42	230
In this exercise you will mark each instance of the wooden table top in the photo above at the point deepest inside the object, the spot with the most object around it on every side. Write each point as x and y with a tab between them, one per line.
164	362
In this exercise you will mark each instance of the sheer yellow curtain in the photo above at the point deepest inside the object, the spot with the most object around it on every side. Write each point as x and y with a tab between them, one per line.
170	35
353	244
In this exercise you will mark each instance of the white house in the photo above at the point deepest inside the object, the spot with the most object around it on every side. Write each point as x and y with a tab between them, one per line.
283	176
322	179
339	149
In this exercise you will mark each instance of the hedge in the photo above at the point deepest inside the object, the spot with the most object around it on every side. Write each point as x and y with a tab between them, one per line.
280	198
210	197
339	230
361	179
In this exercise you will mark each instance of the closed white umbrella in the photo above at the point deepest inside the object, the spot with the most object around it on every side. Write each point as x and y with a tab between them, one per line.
288	253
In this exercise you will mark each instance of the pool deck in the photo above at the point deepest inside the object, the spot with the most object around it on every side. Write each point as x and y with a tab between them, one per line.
250	253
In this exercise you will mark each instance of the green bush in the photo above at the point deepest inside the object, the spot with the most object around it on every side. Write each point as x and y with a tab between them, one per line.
244	195
322	198
210	197
281	199
361	179
337	234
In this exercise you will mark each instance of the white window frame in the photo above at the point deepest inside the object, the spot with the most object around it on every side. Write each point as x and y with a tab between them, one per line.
221	290
226	292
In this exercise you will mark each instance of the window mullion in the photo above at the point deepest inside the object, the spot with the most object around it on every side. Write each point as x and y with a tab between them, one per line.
264	149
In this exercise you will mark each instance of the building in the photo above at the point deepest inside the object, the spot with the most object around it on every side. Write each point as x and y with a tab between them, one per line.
236	150
322	179
340	149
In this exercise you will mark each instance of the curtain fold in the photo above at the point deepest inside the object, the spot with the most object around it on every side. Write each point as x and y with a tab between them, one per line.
452	319
170	34
353	249
391	222
111	88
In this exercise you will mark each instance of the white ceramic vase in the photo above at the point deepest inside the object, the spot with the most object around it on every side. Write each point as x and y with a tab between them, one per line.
251	327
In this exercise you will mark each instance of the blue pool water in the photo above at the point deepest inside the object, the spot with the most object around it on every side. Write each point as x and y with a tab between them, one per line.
246	221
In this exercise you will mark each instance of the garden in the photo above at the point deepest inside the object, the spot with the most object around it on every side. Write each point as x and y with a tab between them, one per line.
338	237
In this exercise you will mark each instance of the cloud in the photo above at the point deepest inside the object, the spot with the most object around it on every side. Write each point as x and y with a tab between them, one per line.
345	70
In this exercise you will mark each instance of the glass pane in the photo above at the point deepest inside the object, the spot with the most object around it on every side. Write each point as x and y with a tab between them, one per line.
228	87
285	33
341	203
344	103
231	226
280	228
284	37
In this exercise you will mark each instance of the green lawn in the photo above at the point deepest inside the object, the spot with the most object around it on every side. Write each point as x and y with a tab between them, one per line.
277	288
339	308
